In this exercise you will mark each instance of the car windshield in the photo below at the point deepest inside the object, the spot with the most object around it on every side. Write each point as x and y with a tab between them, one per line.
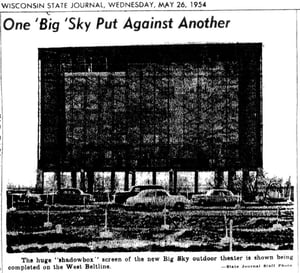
161	194
149	194
217	193
152	193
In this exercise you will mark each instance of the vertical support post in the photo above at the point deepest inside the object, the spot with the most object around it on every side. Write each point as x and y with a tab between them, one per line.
61	140
43	181
165	214
90	176
58	179
219	178
175	182
231	176
40	181
105	220
126	182
246	177
52	198
226	228
171	186
82	180
133	178
48	215
84	201
112	181
74	179
154	177
196	182
230	235
12	201
164	225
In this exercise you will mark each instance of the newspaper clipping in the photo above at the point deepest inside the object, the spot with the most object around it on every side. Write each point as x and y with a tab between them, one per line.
149	135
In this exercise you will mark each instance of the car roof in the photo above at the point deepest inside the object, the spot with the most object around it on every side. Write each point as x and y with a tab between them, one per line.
153	190
148	186
219	190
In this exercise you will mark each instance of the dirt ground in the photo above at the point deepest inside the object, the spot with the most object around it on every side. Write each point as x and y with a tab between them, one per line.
83	229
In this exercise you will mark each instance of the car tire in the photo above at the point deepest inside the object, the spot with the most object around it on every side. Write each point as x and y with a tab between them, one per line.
179	206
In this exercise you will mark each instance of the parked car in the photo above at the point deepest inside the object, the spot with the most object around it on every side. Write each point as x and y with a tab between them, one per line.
215	197
23	199
157	198
72	196
33	200
121	197
275	196
15	197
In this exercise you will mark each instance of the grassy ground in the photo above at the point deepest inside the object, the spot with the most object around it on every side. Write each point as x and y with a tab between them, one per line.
190	230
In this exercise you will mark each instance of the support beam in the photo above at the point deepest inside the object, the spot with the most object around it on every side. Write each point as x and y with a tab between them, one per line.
126	182
196	182
231	177
219	178
90	177
40	181
133	178
112	181
175	182
246	179
154	177
74	179
58	179
171	184
82	180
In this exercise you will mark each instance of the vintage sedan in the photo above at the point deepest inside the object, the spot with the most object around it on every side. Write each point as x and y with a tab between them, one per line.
157	198
121	196
23	199
215	197
72	196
